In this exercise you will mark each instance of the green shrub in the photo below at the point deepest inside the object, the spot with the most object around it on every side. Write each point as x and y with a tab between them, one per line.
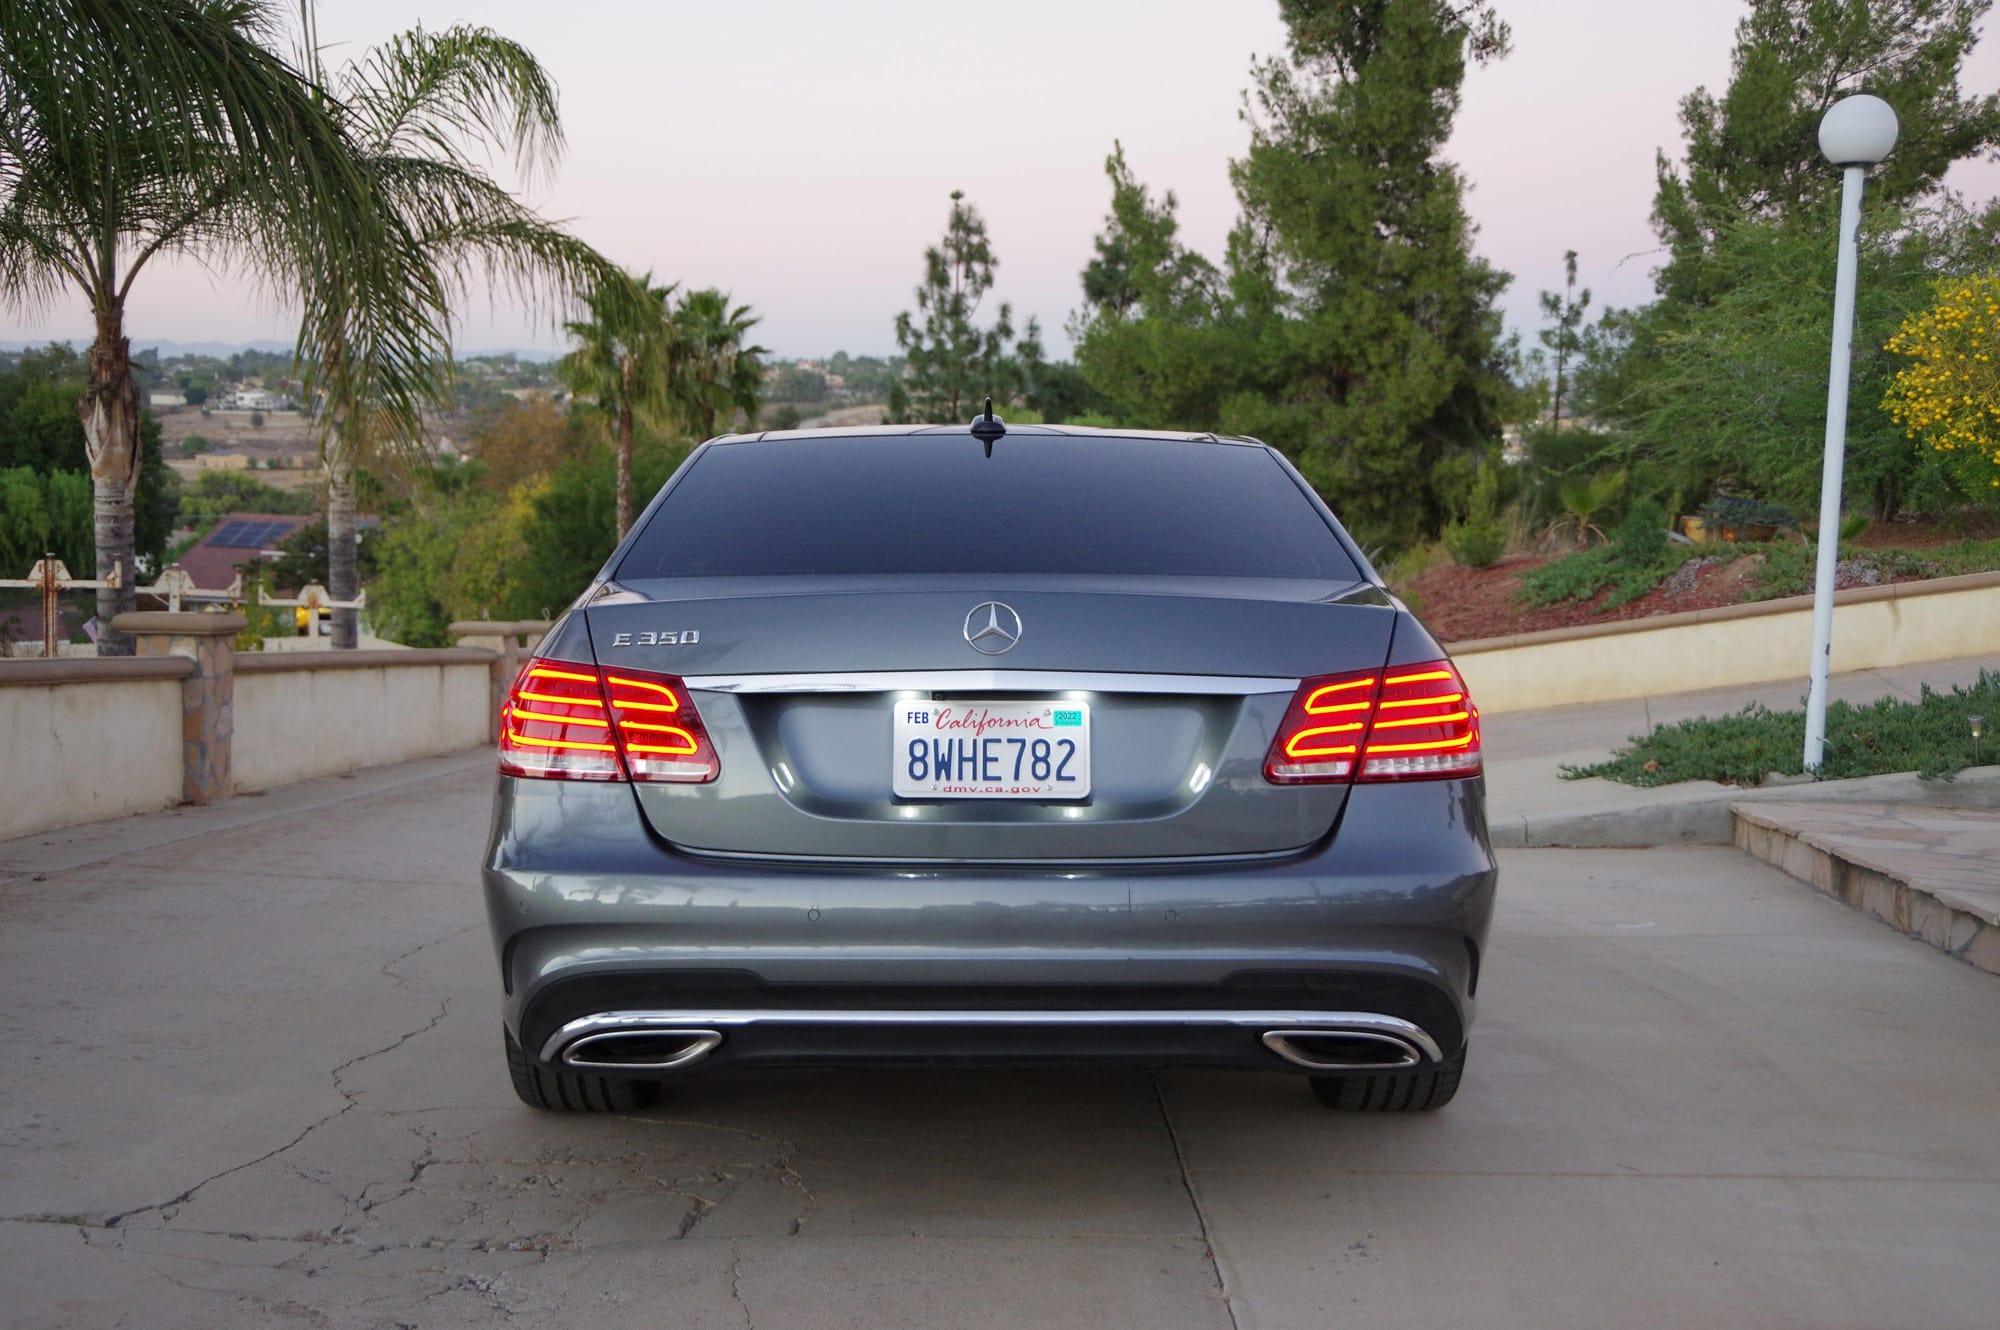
1642	541
1476	545
1735	513
1481	537
1929	736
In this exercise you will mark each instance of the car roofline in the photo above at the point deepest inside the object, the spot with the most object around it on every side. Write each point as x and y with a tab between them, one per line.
1069	431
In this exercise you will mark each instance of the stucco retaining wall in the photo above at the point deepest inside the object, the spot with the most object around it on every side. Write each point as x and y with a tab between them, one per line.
82	740
317	714
87	739
1906	623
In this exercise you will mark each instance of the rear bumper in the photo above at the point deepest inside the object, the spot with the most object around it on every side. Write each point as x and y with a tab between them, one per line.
595	920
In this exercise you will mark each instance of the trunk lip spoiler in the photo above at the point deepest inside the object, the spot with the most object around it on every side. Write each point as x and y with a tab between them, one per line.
1010	681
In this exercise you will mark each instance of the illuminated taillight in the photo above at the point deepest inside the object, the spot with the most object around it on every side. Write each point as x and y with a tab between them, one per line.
1321	737
1425	726
555	725
1409	722
565	721
658	727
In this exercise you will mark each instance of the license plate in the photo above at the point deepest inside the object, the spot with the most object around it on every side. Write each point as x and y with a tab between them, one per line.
992	750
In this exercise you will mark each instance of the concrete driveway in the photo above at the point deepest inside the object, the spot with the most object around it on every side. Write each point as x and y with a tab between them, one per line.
254	1077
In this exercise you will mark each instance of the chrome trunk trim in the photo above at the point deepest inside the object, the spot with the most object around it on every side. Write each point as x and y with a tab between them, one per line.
975	681
1268	1024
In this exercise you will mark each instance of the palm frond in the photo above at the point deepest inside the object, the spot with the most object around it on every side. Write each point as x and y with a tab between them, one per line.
436	94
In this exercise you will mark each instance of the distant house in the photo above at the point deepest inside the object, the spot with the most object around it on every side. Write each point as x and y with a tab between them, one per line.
245	538
239	538
258	399
166	401
223	462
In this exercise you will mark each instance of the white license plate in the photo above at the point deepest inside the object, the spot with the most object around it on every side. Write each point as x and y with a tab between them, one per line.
992	750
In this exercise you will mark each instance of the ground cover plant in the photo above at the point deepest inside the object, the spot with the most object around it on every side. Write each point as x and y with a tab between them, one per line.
1787	569
1932	737
1782	568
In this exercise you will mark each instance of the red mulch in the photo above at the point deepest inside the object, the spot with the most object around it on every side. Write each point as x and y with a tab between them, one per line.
1460	604
1918	533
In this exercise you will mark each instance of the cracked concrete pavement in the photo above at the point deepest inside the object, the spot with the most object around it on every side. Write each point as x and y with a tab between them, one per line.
256	1079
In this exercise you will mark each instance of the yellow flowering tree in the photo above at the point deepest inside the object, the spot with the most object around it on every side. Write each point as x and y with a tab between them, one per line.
1947	395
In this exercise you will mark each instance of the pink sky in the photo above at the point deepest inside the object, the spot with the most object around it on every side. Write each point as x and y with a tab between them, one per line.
801	154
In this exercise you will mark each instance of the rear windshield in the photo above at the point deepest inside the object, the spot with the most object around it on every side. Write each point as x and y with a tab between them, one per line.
936	504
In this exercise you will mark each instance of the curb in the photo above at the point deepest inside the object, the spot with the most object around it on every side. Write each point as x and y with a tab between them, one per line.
1876	874
1698	814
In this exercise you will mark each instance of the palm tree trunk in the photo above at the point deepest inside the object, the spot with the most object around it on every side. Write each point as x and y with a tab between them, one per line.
624	466
340	539
109	408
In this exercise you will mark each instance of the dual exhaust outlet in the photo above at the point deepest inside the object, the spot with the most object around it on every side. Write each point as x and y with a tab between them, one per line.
654	1042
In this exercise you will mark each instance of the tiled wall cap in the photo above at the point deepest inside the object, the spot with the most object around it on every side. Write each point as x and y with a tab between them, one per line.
183	623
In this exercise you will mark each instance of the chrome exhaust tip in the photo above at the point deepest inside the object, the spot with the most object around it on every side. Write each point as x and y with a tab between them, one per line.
1343	1050
640	1050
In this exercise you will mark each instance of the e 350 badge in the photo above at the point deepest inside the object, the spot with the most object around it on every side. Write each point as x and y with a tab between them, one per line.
685	637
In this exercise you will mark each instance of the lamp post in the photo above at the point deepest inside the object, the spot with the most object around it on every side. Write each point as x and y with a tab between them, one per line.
1855	133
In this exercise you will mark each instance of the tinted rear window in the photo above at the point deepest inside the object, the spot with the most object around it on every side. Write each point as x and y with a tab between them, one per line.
935	504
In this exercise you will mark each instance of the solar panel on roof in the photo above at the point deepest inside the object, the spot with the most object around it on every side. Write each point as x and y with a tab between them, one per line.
251	535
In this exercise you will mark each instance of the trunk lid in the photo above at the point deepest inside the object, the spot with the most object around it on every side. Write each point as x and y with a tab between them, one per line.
1182	685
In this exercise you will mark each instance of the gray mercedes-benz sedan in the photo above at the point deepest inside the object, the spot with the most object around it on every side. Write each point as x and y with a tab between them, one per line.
1029	746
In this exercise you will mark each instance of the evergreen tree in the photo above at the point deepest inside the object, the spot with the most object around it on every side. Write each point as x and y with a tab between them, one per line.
1353	326
1563	340
1753	153
951	361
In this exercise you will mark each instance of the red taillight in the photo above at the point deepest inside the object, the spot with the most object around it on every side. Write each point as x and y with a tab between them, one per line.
1409	722
565	721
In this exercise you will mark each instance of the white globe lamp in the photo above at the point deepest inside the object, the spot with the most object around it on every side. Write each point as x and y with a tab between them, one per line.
1858	131
1855	133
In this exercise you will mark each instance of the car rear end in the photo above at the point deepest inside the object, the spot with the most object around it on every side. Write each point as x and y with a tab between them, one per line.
878	750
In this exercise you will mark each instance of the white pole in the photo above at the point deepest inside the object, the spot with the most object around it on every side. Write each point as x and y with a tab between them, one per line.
1836	453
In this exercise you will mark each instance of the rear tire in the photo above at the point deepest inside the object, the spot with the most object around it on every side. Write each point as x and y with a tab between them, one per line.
1392	1092
567	1092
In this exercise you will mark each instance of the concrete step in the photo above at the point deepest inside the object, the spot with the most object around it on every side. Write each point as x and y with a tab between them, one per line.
1930	872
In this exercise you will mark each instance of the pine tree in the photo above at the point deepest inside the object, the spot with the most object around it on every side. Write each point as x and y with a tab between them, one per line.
1564	340
1753	153
1352	326
951	361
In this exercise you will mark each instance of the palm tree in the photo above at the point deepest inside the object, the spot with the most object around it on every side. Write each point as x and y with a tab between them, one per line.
376	338
135	128
711	372
1583	499
621	363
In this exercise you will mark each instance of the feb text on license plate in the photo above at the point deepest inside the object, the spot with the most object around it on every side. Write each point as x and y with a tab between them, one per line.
992	750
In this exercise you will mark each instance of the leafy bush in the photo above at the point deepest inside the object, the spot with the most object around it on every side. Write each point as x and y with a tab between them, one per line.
1556	456
1481	537
1476	546
214	494
1642	541
1735	513
1929	736
45	512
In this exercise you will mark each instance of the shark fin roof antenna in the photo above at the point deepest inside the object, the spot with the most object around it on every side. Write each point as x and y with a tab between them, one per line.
988	427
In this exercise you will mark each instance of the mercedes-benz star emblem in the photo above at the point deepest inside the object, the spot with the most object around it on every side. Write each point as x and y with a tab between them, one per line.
992	628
